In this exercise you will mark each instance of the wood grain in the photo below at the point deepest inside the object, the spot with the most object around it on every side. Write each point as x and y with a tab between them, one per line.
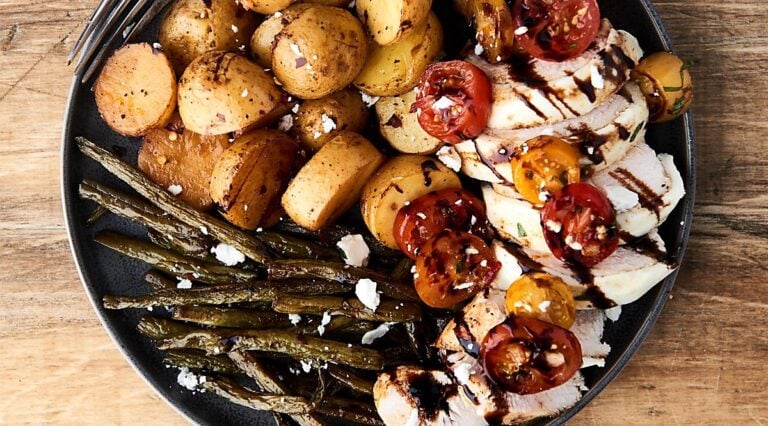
704	362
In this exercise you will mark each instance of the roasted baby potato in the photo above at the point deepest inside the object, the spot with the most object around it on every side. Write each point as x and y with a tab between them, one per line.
193	27
400	180
250	176
264	37
319	52
136	90
335	3
390	22
320	120
665	80
394	69
401	128
224	92
331	182
266	7
178	159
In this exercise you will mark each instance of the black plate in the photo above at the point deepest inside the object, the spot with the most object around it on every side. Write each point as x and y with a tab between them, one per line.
103	271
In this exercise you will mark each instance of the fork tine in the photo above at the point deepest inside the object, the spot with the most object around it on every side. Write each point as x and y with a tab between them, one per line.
97	38
96	17
156	7
121	29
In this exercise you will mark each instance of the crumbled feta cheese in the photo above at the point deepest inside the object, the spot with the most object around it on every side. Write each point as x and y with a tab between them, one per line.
184	284
227	254
522	305
554	359
356	251
328	123
463	286
613	313
325	321
369	100
245	93
470	251
521	30
554	226
188	379
150	309
450	157
295	319
479	49
376	333
421	215
351	4
443	103
157	46
622	198
295	109
413	419
175	190
570	242
235	29
296	51
306	366
204	230
597	78
317	134
462	371
286	123
278	14
543	196
543	306
365	290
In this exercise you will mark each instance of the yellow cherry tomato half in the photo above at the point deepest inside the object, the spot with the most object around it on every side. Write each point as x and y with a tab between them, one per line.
665	80
545	166
541	296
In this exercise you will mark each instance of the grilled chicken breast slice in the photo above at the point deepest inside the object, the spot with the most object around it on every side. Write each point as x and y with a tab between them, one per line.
604	136
537	92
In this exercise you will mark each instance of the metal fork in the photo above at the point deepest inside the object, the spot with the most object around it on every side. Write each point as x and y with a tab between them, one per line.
110	20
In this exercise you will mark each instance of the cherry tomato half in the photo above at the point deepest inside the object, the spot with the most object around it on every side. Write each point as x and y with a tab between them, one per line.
542	296
454	99
548	164
580	225
452	267
557	30
527	355
427	215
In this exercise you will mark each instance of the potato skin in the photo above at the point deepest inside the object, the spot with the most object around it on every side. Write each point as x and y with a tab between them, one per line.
331	182
345	109
250	176
223	92
319	52
396	68
264	37
401	128
389	24
173	155
401	179
266	7
136	90
193	27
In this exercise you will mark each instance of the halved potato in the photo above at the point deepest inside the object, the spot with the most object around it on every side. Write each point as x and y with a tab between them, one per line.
401	128
266	7
400	180
136	90
264	37
319	52
193	27
335	3
396	68
250	176
320	120
391	22
331	182
175	157
223	92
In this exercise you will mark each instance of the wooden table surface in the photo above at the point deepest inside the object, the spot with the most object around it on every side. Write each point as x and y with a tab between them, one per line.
705	362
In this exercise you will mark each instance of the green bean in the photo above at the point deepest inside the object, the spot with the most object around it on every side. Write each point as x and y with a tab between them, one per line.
269	382
283	269
388	310
157	281
351	410
185	246
199	360
351	380
256	291
333	233
295	248
157	328
174	263
95	215
218	229
258	401
230	317
402	270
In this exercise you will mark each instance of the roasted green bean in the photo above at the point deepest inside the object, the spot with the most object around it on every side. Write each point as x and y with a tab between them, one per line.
296	248
220	295
157	281
351	380
157	328
230	317
258	401
197	359
388	310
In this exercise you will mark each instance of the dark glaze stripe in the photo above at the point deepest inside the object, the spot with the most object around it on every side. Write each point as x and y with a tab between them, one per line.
587	88
488	163
531	106
647	197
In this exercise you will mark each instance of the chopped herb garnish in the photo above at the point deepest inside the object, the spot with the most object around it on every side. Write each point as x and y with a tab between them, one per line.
636	132
521	231
460	266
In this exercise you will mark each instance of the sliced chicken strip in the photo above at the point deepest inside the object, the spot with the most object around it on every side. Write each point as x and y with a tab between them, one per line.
530	93
604	136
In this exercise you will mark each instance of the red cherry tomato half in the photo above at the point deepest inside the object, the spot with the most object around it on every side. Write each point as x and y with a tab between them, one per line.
454	100
579	225
557	30
427	215
527	355
452	267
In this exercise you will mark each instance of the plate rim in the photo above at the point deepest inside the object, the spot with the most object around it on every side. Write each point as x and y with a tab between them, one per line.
76	250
